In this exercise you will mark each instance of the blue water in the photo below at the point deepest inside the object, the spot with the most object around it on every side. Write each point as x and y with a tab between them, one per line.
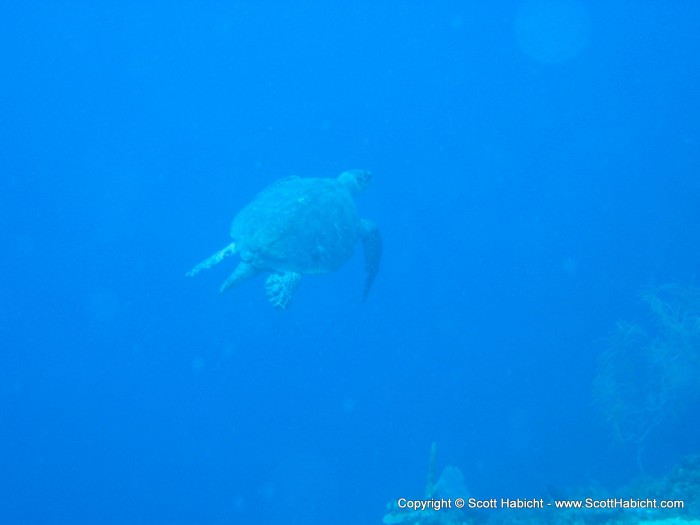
536	164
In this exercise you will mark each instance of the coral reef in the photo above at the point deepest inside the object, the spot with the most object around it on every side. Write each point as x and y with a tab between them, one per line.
447	488
648	373
681	484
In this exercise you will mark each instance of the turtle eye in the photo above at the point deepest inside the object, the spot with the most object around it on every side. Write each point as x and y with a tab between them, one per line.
363	177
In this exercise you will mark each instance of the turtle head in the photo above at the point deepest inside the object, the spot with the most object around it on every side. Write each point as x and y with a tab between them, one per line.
355	180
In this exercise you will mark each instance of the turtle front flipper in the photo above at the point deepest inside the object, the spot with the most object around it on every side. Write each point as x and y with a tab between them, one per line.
243	272
280	288
214	259
372	247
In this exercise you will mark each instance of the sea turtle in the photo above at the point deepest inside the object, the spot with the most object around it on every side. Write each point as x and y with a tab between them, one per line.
300	226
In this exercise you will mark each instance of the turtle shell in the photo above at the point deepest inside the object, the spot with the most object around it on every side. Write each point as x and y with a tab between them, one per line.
305	225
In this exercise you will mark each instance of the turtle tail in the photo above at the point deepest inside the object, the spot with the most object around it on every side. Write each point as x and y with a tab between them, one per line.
372	247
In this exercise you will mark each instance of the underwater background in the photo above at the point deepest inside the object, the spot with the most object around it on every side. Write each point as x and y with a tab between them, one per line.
536	169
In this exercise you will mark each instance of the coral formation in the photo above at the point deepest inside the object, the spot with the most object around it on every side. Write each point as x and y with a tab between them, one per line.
681	484
648	372
449	486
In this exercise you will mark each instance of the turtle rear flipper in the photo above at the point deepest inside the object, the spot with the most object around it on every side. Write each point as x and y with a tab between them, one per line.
243	272
372	247
280	288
